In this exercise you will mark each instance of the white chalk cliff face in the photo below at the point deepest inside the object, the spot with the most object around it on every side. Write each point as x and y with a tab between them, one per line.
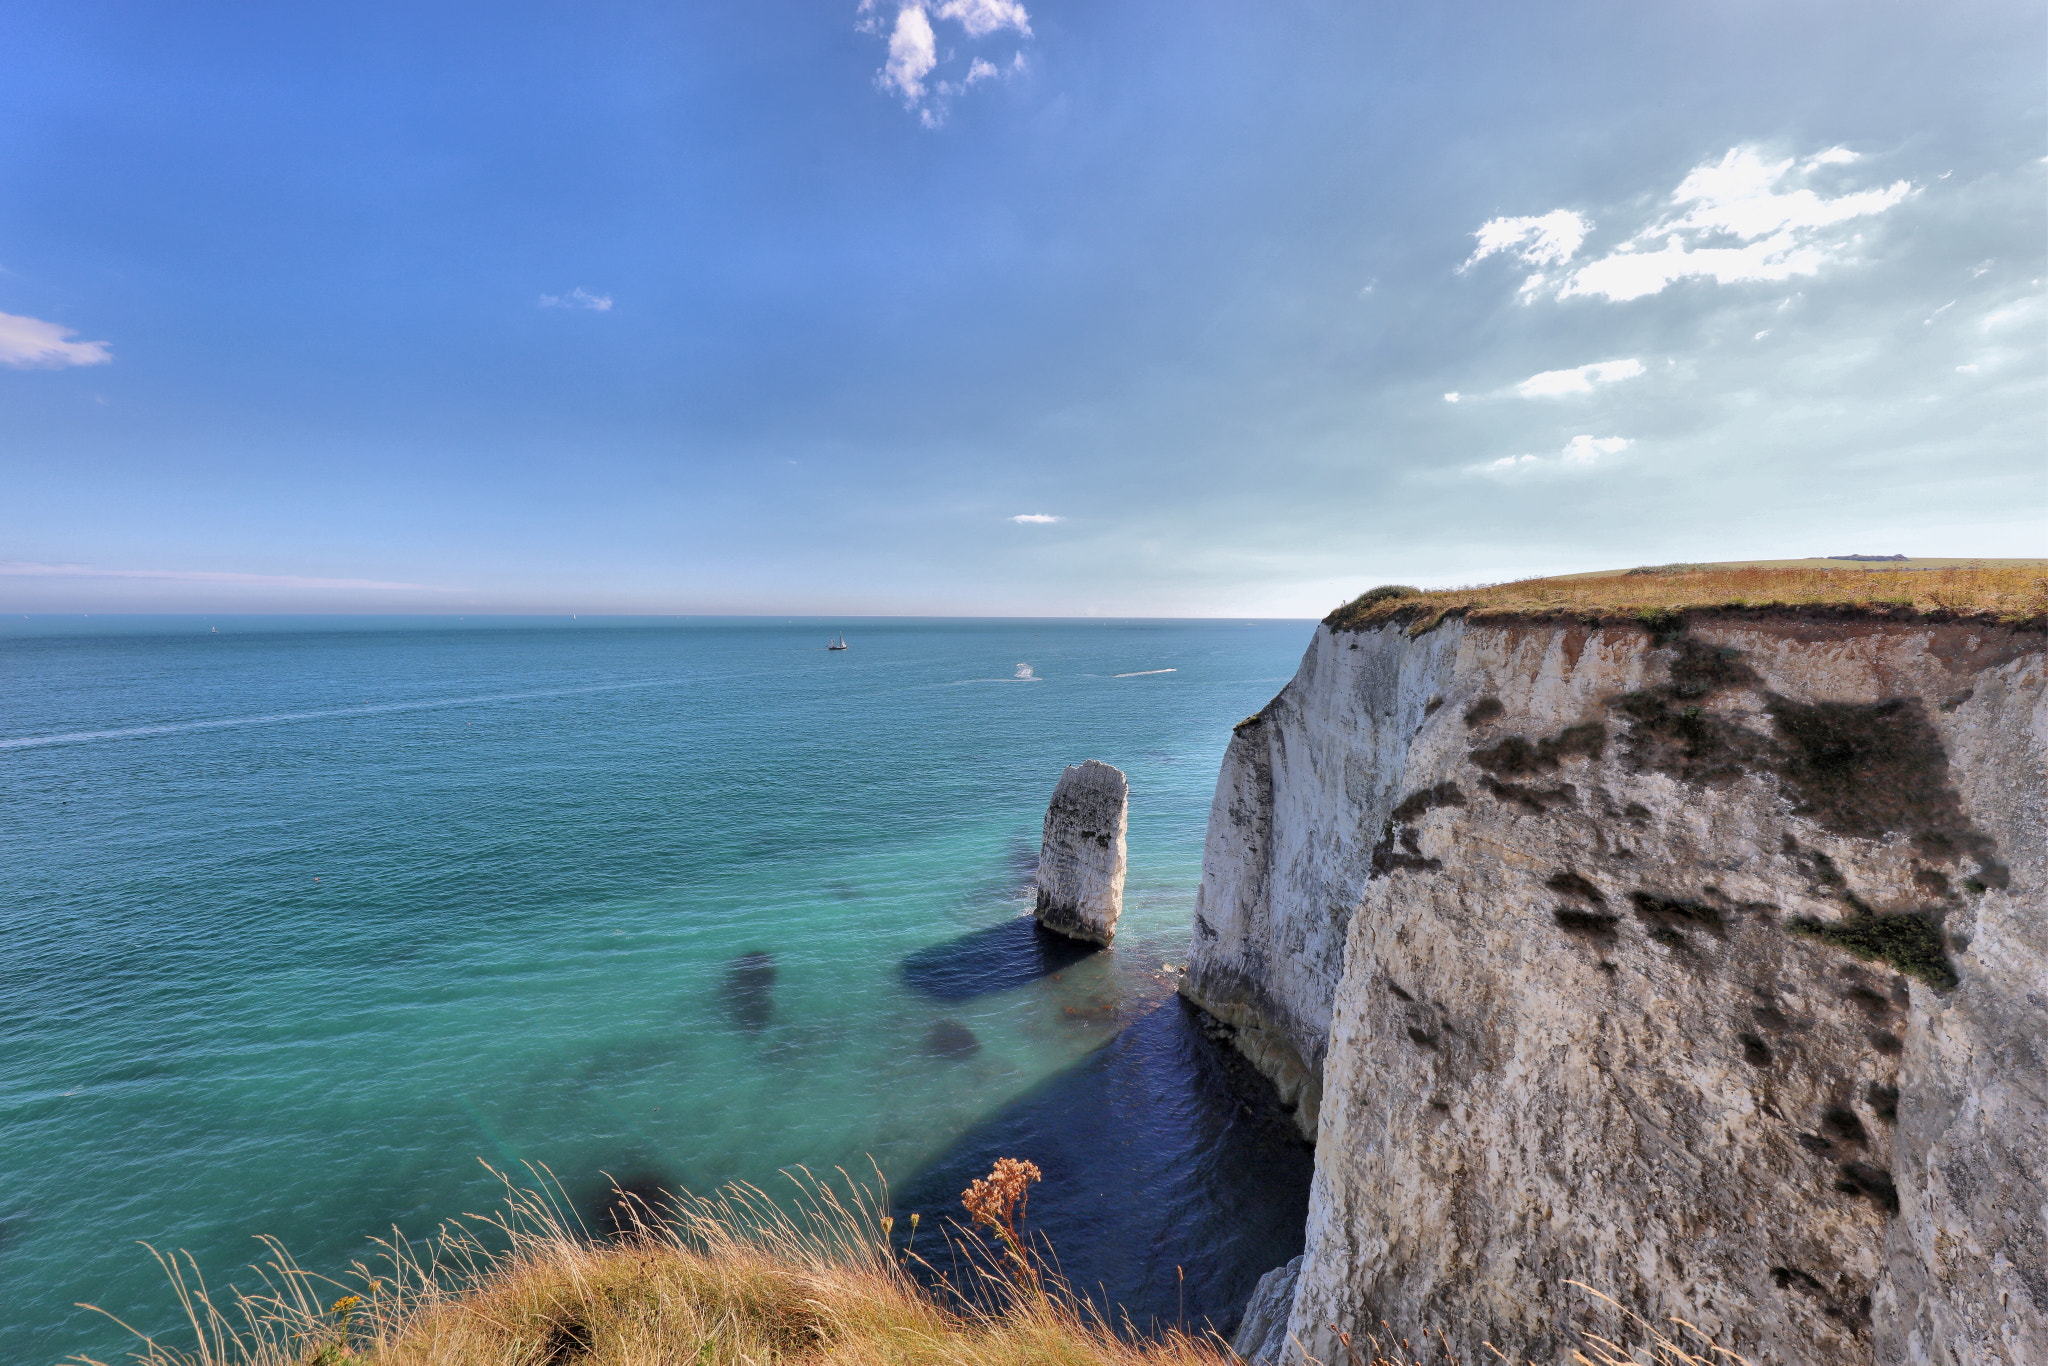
1081	858
1709	969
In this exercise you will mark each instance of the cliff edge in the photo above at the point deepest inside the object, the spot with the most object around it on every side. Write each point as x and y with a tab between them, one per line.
1696	956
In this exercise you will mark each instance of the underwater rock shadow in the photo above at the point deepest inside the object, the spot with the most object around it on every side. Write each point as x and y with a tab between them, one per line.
1162	1153
1002	957
749	990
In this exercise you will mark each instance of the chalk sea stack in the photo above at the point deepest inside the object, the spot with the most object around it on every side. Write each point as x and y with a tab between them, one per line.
1081	861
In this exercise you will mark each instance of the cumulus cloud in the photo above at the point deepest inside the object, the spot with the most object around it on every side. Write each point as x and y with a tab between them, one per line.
916	53
1579	379
30	569
578	298
1579	456
32	344
1548	240
1028	518
983	17
1745	217
913	52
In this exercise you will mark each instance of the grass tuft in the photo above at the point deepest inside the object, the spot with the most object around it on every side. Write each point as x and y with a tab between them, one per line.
738	1280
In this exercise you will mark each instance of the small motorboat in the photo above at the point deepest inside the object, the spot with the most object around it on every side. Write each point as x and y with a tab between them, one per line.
838	643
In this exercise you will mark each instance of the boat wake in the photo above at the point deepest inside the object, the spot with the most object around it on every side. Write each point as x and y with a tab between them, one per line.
278	718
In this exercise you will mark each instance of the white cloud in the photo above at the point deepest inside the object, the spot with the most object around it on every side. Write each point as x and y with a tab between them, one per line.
1737	219
1579	379
915	51
578	298
983	17
30	569
1780	228
1548	240
1579	455
1454	397
1033	518
32	344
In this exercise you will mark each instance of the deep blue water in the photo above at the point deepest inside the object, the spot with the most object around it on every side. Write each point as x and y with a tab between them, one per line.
299	918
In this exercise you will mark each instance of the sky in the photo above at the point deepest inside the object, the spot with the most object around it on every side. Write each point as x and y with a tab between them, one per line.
993	307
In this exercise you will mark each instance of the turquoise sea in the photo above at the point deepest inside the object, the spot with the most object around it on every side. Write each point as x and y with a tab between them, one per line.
302	917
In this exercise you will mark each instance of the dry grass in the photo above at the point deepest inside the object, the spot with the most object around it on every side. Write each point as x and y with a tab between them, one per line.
735	1281
2013	594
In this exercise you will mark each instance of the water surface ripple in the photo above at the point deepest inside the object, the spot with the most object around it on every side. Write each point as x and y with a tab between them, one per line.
302	918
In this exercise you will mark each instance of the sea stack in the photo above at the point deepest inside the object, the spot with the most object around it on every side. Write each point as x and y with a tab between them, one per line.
1081	861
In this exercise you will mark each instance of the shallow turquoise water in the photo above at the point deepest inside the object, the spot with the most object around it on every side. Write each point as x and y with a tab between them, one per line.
299	919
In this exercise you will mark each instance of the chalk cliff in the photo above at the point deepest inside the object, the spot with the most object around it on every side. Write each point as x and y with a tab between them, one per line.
1081	857
1702	961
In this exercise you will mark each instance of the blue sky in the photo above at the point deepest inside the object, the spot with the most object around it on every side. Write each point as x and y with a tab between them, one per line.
801	307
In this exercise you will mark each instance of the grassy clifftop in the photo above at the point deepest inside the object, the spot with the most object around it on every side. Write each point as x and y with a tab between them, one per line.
2006	592
740	1280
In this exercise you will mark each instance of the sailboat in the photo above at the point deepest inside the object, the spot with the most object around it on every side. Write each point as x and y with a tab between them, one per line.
838	643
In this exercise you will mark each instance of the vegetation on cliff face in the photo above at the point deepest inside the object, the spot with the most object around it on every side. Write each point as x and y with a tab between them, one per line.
2010	594
733	1281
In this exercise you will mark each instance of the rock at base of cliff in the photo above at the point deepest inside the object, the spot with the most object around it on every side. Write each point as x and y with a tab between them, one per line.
1262	1333
1081	861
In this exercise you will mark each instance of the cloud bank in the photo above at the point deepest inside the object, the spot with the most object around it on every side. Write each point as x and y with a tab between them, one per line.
1579	456
1038	518
1742	218
32	344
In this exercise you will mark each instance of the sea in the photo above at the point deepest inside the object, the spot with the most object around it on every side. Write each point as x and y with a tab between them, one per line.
311	926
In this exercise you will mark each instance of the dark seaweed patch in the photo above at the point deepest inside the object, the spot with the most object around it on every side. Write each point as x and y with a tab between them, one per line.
1909	941
951	1039
625	1207
749	990
1755	1051
1883	1101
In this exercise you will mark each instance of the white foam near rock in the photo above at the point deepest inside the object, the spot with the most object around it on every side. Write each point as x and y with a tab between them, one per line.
1081	860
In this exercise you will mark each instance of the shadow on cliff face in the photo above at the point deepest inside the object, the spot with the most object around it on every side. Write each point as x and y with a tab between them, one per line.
1013	954
1162	1153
